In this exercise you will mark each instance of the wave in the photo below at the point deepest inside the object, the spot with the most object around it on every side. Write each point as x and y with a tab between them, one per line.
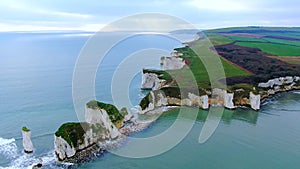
297	92
4	141
28	161
8	148
20	160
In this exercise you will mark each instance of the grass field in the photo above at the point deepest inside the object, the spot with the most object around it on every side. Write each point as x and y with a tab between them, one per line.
281	41
246	39
207	68
274	49
216	39
284	34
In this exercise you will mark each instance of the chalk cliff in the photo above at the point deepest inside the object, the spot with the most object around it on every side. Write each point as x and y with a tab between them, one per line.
151	81
99	130
279	82
228	100
27	143
254	101
73	138
171	96
173	63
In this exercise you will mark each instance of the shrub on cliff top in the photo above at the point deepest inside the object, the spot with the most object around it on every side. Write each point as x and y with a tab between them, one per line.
25	129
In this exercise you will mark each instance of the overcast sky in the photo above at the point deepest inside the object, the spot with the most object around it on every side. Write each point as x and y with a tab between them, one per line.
91	15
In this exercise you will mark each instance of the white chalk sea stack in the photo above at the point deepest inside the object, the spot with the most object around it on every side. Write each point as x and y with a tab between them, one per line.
254	101
27	143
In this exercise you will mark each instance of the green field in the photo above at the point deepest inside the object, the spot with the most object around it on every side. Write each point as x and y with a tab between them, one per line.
203	74
274	49
285	42
246	39
217	39
284	34
258	30
207	67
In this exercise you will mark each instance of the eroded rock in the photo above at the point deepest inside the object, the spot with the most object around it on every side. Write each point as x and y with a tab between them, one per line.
173	63
27	143
254	101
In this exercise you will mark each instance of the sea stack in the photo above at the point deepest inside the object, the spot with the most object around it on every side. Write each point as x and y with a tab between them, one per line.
228	100
27	143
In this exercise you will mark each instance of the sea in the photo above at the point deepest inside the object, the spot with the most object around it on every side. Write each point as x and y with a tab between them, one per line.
36	75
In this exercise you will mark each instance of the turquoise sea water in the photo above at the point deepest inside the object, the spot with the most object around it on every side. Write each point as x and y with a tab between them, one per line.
36	90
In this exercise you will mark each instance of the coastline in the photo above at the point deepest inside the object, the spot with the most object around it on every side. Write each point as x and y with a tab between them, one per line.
165	93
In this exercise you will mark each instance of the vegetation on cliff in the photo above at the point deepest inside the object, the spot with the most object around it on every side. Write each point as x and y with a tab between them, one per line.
114	114
25	129
73	133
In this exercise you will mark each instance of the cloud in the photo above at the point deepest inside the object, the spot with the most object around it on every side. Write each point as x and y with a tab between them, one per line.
19	7
47	27
62	14
220	5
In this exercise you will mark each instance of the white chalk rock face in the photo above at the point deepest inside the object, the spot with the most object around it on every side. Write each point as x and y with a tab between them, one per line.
254	101
279	82
158	84
204	102
186	102
288	80
160	100
151	81
27	143
173	63
100	116
271	92
228	100
62	149
199	101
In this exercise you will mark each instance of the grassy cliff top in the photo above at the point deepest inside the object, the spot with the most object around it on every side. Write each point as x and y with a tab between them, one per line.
73	132
111	110
25	129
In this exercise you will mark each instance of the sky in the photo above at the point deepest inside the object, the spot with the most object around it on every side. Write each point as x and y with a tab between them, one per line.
92	15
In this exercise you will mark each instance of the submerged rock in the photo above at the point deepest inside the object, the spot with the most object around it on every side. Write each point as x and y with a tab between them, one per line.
27	143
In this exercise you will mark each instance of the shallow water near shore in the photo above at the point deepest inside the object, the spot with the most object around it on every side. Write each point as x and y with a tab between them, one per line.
35	90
